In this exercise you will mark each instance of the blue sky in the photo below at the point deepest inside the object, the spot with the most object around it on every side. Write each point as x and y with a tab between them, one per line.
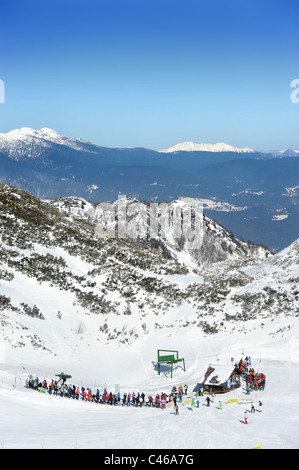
152	73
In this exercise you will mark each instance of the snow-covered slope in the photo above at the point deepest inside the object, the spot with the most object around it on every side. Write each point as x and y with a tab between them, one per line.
204	147
100	308
30	419
129	287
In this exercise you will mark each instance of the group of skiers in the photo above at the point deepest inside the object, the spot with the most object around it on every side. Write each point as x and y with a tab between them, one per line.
243	365
86	394
254	380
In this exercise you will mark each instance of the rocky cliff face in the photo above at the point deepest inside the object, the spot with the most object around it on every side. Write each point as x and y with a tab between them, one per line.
179	228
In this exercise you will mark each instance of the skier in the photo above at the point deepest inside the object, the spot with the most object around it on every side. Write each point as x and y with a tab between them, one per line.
158	401
260	405
220	405
208	399
246	417
186	388
252	407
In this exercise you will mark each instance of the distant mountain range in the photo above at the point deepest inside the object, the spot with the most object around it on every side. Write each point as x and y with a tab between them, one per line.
253	194
27	142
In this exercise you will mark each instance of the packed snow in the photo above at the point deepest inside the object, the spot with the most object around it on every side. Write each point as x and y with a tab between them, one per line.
30	419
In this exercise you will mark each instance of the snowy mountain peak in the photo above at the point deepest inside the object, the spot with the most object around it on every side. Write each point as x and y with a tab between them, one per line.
28	142
204	147
28	132
50	133
286	153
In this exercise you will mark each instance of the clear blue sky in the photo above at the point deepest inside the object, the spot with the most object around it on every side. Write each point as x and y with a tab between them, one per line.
152	73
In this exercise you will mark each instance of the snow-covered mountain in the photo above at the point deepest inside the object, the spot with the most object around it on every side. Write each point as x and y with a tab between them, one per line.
31	143
53	261
46	251
98	307
286	153
204	147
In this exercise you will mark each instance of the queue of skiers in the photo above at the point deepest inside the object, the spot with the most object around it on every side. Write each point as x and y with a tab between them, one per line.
86	394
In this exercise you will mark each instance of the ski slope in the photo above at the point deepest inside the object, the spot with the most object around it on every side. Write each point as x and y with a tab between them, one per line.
30	419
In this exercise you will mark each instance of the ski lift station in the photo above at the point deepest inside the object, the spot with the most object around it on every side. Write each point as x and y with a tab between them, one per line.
219	379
